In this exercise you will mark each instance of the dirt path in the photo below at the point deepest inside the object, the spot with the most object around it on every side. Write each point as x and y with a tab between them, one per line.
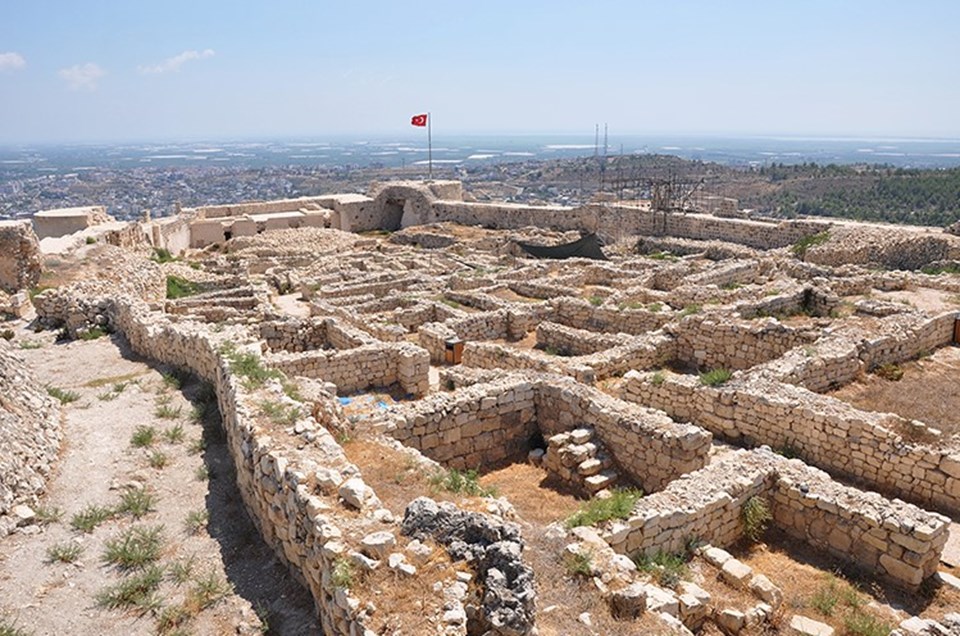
218	576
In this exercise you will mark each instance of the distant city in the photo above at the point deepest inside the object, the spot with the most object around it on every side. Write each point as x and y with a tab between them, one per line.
131	178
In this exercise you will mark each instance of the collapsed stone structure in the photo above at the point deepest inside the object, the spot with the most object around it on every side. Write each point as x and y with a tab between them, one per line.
597	372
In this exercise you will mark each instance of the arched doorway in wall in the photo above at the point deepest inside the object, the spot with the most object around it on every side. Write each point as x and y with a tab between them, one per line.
393	213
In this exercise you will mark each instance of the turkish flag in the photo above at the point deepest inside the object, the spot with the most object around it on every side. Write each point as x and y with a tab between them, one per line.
418	120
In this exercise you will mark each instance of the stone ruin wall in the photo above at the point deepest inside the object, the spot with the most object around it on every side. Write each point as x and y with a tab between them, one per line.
283	489
20	257
357	368
30	434
826	432
488	423
895	540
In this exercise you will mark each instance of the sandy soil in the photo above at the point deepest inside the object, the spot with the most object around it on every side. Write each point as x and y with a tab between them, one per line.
98	464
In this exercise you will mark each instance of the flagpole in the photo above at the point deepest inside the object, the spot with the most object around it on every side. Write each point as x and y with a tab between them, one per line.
429	145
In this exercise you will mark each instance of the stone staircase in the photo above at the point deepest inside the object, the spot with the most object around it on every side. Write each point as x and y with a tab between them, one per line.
579	459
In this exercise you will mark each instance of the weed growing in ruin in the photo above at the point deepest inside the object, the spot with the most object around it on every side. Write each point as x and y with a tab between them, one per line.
291	390
30	344
11	629
174	435
137	502
249	366
162	255
135	548
661	256
64	552
90	517
858	623
46	515
657	378
181	570
263	613
715	377
197	446
158	459
65	397
202	473
466	483
280	413
755	516
136	590
618	506
667	568
654	307
343	574
596	301
167	412
551	351
800	247
170	380
91	334
180	288
731	286
90	240
196	521
208	590
889	371
689	310
107	396
171	618
143	436
935	270
579	563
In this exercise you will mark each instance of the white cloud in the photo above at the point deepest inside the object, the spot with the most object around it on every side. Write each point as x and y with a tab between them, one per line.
82	76
11	61
173	64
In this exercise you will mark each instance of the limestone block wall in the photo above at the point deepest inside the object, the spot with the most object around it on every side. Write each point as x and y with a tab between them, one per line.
30	434
575	342
362	367
491	325
511	216
283	489
737	272
473	427
648	447
830	362
824	431
909	340
20	257
376	288
488	355
580	314
714	341
890	539
294	335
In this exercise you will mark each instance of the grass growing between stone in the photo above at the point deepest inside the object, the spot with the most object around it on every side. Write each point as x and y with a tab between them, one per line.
143	436
618	506
64	552
461	482
180	288
715	377
90	517
137	590
667	568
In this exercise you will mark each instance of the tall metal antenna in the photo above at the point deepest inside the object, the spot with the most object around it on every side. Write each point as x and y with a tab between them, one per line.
596	140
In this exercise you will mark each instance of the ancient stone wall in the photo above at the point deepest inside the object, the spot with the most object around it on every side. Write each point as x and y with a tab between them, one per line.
362	367
895	540
580	314
711	342
826	432
29	436
574	342
20	257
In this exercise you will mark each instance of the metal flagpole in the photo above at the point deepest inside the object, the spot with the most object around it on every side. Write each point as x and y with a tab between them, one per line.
429	145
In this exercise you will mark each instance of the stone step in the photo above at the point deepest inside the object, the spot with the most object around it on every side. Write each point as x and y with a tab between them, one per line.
590	467
600	481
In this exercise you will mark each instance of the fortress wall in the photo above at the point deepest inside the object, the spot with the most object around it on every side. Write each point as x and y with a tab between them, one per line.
20	257
860	445
709	342
283	490
892	539
362	367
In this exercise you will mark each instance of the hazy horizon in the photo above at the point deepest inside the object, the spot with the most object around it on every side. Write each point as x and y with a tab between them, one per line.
113	72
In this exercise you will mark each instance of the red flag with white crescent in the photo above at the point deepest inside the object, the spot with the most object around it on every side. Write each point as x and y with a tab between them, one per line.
419	120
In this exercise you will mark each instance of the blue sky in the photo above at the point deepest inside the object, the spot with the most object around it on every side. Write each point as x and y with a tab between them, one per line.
145	70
